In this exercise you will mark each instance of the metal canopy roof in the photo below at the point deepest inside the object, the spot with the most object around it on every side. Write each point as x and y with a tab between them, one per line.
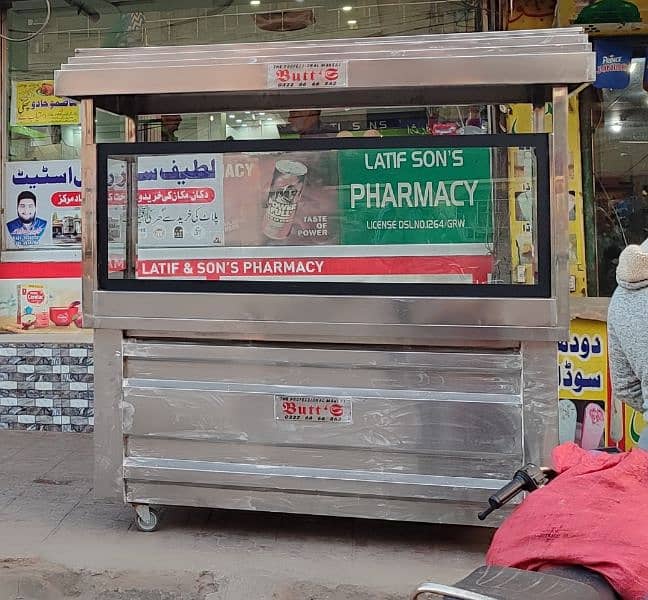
519	66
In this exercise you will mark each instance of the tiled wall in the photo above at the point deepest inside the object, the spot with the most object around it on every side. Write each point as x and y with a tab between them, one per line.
46	387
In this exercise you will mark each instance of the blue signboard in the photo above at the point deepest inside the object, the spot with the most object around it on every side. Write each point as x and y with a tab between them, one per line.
612	65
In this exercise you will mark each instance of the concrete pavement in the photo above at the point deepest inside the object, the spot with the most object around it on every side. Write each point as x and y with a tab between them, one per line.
52	531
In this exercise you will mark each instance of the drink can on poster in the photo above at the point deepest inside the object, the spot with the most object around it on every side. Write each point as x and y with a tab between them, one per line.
283	198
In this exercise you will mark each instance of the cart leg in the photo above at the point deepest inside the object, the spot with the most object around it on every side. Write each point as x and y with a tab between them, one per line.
147	518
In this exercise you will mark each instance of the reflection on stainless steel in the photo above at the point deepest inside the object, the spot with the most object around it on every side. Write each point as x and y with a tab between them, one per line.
88	210
517	58
330	319
380	407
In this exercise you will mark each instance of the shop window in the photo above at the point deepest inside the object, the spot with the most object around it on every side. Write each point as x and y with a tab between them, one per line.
621	172
442	215
44	134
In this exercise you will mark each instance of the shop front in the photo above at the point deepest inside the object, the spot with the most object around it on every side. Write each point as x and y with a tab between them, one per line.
608	197
47	352
614	114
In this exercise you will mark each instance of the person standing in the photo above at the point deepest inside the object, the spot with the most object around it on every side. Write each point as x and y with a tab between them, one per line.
628	332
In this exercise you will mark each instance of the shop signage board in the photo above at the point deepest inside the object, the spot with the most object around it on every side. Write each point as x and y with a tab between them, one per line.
587	405
180	200
604	17
612	65
42	204
343	214
422	196
33	104
583	406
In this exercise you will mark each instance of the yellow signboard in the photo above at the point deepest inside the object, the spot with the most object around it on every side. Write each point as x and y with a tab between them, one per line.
520	120
33	104
583	385
583	362
604	17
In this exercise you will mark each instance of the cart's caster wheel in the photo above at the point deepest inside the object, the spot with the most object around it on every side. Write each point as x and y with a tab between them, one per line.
147	519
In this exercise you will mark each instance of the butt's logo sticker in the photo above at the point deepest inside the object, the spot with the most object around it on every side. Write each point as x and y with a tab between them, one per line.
313	409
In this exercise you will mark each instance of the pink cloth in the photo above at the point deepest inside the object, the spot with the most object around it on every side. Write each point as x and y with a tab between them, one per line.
595	514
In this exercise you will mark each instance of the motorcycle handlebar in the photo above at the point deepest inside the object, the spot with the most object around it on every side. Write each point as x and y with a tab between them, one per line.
527	479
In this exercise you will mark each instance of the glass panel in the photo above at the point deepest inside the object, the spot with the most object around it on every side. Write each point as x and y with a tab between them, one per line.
45	130
55	134
117	223
621	173
401	214
340	122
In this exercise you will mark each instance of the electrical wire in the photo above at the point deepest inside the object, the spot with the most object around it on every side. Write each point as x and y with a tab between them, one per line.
31	36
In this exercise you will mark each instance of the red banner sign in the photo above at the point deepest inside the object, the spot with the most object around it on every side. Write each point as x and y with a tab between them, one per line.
477	268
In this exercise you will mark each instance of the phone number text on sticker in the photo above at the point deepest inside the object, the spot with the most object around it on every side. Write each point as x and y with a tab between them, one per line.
313	409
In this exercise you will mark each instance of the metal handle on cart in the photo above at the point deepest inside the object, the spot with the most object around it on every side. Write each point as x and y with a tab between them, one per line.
447	591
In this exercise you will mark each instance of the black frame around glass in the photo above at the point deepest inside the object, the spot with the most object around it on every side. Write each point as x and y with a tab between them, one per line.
541	289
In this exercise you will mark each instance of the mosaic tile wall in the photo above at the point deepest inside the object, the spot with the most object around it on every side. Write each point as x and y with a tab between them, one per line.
46	387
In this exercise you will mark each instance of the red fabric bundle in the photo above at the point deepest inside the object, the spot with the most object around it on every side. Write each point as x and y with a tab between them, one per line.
595	514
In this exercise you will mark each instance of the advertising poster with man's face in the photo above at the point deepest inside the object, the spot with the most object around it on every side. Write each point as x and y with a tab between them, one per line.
42	204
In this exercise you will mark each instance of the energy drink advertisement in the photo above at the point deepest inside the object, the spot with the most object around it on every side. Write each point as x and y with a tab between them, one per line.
283	198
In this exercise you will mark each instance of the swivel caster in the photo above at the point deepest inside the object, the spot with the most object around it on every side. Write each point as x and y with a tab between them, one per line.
147	519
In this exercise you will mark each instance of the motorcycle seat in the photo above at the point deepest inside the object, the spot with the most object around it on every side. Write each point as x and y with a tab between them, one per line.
496	583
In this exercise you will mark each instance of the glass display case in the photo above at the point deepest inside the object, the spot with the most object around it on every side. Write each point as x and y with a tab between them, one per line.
327	323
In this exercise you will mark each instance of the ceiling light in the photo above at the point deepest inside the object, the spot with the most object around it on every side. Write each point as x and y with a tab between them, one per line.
239	120
211	118
347	8
616	127
232	116
255	2
261	114
352	22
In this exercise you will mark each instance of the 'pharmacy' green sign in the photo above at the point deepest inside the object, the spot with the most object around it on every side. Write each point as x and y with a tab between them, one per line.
415	196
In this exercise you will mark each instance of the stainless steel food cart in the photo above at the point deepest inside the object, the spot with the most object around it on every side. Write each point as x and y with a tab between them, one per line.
388	374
